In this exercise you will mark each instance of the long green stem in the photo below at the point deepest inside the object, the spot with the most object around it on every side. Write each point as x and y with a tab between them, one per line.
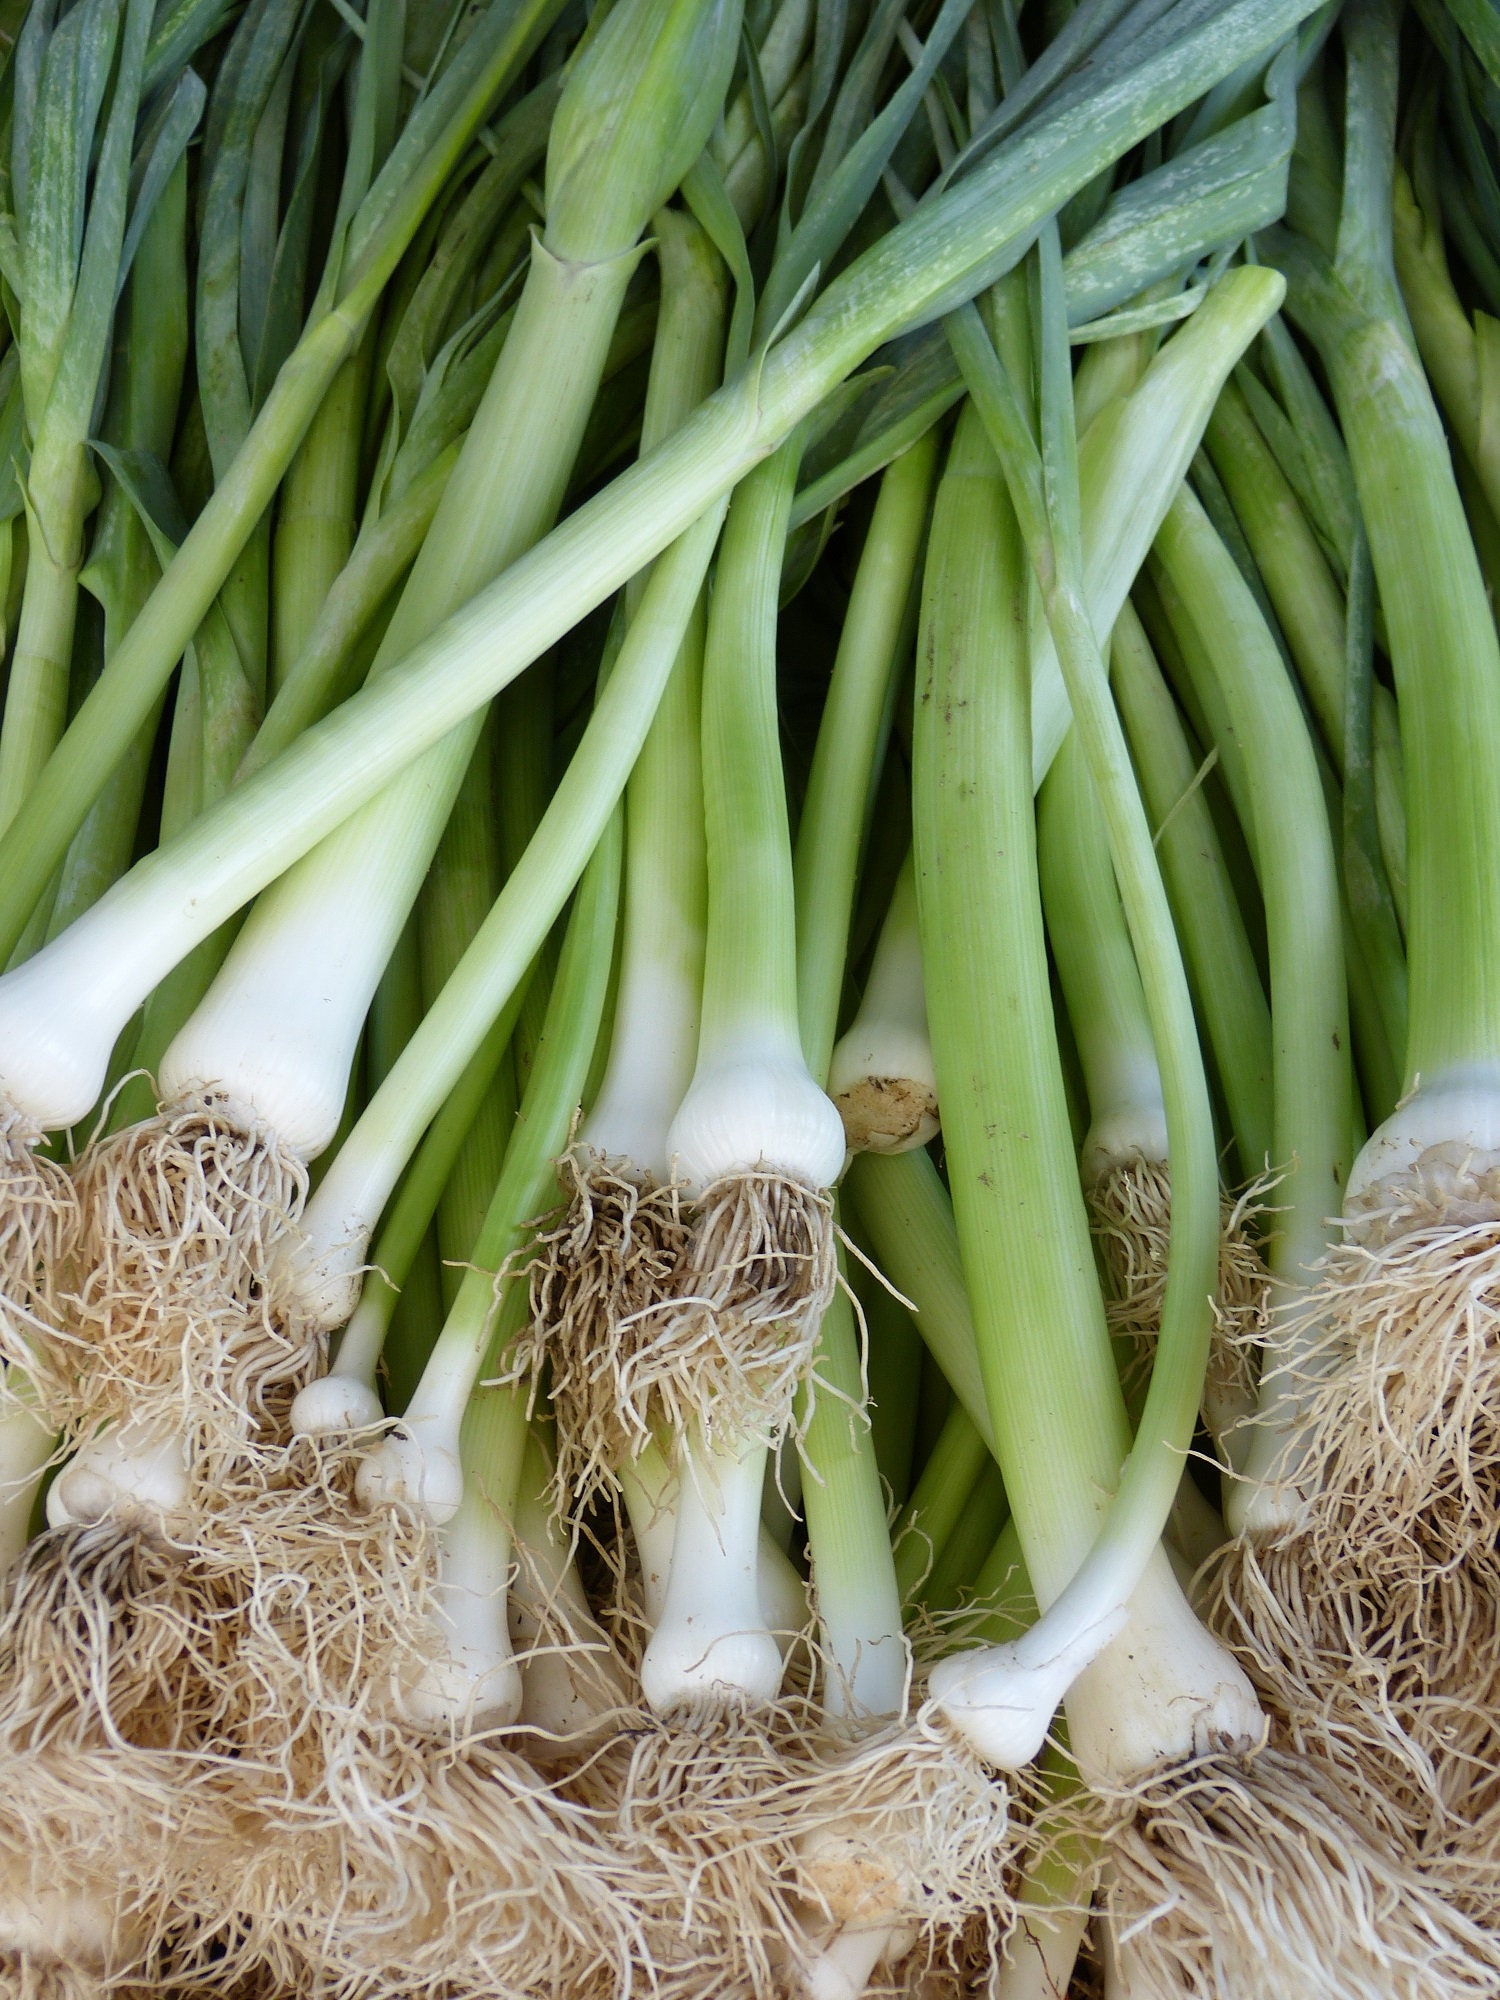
122	568
461	886
1280	796
1097	969
1441	635
478	1319
944	250
654	1039
1283	799
930	1516
907	1216
1050	524
127	691
315	515
354	1192
1053	1398
1221	963
839	796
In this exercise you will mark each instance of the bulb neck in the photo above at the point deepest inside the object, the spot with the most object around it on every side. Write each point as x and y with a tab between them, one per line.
710	1647
752	1105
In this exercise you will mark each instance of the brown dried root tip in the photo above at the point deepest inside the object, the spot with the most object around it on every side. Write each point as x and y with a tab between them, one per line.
888	1114
601	1270
1237	1877
1398	1350
180	1216
1130	1211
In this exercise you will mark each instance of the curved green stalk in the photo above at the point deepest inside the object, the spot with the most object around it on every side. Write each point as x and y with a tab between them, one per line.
851	742
1282	800
490	1303
369	1163
315	515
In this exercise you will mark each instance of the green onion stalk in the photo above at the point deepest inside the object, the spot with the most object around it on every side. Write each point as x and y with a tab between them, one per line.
1385	1483
732	1336
66	243
382	210
405	1685
387	191
950	244
1272	772
610	1258
756	1144
146	385
477	1011
1126	1177
1153	419
1221	964
1225	1860
255	1081
903	1840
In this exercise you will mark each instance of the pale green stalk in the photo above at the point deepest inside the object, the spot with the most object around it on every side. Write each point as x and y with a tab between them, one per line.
406	1316
65	263
960	1559
122	567
1460	354
851	743
1439	628
654	1039
1053	1400
490	1303
1060	1423
1097	970
329	661
945	250
858	1595
1221	965
242	175
608	166
1309	607
1280	796
461	885
524	774
354	1192
315	516
937	1501
367	251
907	1217
375	1326
1044	490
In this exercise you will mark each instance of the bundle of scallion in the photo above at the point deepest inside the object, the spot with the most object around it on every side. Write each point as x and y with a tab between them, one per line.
618	586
